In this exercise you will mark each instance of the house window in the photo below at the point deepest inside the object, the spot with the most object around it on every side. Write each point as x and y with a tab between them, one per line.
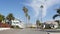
16	22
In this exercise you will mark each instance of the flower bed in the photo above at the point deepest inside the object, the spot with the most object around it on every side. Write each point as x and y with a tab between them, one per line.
4	25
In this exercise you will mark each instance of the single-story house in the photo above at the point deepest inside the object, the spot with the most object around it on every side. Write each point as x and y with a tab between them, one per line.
16	22
50	24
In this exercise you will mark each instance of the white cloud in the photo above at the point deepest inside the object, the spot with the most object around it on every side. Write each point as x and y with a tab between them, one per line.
35	4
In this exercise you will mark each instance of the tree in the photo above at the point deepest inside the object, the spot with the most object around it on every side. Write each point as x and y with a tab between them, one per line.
38	23
25	9
10	17
26	12
1	18
58	14
41	11
28	18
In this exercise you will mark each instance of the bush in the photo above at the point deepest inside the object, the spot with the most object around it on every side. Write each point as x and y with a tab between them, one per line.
32	27
58	27
4	25
17	27
12	26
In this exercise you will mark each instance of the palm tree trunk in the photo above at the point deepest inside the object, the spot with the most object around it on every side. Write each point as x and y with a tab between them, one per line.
59	22
26	22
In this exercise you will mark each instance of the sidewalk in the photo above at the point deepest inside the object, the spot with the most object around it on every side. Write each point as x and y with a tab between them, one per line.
4	29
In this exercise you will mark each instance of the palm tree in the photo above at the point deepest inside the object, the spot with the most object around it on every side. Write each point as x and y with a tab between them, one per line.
38	23
25	9
58	14
26	12
10	17
2	18
41	11
28	18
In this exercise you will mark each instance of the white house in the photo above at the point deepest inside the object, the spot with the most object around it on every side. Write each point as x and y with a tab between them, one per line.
18	23
51	24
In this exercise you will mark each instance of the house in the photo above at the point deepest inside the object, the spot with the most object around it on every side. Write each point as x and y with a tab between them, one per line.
50	24
18	23
15	23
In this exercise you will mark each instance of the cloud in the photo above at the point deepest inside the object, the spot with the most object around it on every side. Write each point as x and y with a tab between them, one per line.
35	4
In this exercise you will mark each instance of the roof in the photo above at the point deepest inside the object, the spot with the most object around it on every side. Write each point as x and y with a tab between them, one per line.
51	22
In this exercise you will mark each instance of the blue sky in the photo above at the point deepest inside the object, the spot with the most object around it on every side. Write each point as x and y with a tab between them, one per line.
34	10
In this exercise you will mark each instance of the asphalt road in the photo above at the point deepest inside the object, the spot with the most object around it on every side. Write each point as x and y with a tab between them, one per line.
22	31
51	31
30	31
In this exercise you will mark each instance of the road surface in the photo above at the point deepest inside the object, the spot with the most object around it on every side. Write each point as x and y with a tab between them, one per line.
22	31
30	31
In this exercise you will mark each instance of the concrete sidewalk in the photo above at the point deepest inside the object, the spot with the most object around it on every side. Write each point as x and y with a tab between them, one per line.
4	29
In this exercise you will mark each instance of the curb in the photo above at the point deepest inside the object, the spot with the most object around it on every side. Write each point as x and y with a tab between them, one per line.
4	29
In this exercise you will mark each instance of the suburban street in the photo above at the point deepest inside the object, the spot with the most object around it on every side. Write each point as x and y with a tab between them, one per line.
30	31
29	16
22	31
